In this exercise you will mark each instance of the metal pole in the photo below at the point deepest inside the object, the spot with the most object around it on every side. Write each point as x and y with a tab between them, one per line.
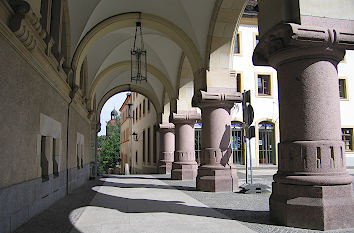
131	144
249	154
247	141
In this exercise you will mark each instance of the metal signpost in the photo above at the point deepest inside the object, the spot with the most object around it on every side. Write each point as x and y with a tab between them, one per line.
248	115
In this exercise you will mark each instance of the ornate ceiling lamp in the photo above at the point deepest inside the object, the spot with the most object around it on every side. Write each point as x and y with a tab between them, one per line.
138	57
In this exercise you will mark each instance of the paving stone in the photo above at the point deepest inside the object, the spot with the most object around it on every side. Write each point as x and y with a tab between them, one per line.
153	203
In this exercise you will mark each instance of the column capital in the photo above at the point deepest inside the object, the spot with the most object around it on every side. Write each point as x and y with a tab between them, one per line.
205	99
289	41
187	117
166	127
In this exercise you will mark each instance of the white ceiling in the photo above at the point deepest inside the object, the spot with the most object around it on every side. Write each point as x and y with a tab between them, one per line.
192	16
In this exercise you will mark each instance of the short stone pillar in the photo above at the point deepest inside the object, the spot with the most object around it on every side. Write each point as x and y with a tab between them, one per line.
217	172
185	166
167	147
312	188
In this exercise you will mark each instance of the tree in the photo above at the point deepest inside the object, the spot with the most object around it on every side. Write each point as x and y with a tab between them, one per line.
100	140
110	153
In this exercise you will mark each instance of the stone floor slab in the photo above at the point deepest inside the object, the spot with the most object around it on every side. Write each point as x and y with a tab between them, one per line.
154	203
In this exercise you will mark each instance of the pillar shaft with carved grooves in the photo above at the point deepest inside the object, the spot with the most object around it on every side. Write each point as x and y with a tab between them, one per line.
312	188
217	172
167	147
184	167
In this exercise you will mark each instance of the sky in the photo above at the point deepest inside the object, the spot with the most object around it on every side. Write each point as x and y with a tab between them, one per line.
116	102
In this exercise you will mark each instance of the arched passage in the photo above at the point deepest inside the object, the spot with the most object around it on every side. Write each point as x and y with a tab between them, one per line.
124	66
134	88
128	20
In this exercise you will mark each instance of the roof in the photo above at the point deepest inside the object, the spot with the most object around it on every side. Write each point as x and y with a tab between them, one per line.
126	101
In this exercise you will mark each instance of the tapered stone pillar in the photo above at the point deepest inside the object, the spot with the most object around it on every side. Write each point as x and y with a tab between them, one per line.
184	167
167	147
312	188
217	172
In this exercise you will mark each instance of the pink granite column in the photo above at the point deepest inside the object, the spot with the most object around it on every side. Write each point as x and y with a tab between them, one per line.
312	188
217	172
167	147
184	167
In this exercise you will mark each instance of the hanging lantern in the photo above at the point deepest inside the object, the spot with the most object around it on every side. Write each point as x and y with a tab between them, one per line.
138	57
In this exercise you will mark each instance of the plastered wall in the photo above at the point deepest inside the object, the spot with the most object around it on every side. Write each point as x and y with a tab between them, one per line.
25	97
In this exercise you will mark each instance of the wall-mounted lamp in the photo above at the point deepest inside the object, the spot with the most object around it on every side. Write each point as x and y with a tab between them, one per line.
135	136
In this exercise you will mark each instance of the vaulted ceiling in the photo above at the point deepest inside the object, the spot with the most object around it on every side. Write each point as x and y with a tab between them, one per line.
102	31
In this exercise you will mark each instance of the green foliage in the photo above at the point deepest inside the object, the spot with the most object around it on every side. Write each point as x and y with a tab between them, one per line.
100	140
110	153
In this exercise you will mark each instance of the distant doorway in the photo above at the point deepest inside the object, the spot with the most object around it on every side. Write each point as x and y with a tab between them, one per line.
266	143
198	141
237	142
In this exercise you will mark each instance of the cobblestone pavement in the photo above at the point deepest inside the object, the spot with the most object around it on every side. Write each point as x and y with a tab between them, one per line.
90	211
252	210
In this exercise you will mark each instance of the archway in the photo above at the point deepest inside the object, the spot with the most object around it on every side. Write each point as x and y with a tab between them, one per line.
125	66
128	20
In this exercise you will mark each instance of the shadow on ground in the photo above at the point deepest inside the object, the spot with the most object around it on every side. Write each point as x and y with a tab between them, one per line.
56	218
156	186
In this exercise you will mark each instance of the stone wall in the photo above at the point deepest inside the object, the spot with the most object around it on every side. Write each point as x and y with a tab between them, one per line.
20	202
27	94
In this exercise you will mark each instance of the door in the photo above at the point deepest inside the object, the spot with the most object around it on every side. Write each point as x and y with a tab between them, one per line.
266	143
237	142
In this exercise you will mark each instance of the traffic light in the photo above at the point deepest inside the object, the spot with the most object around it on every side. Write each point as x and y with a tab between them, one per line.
247	109
248	114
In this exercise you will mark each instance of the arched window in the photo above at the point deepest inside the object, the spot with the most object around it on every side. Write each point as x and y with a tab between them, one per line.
266	143
237	142
198	141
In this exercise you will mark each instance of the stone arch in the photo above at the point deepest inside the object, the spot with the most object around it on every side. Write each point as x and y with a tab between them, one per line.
126	65
66	37
117	22
224	22
130	87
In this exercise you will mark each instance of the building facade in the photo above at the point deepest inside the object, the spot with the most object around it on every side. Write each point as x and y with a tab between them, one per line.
125	136
139	143
62	60
262	82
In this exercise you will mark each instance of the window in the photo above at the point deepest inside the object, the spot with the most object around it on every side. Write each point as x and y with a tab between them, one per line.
133	116
44	160
347	137
77	157
136	157
55	163
148	144
198	141
144	142
264	87
237	142
148	106
136	112
237	76
342	89
143	107
266	143
140	111
237	47
154	149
